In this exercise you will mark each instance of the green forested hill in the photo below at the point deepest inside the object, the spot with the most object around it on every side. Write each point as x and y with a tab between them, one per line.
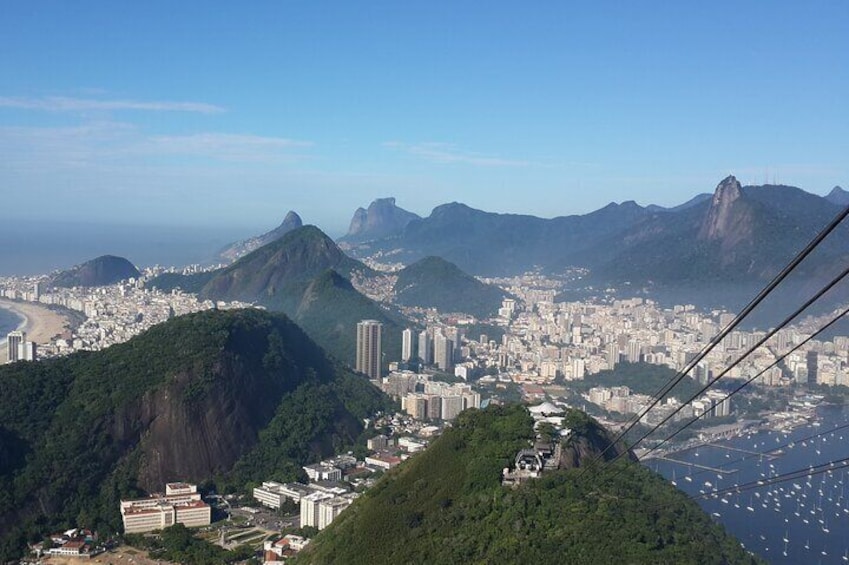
434	282
447	505
236	396
101	271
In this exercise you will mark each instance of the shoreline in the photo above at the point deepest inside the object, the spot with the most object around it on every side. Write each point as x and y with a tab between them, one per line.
39	322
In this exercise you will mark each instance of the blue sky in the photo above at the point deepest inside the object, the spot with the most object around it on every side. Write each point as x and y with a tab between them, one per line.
212	113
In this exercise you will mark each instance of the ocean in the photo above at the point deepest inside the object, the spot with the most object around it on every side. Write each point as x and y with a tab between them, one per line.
9	321
34	249
804	520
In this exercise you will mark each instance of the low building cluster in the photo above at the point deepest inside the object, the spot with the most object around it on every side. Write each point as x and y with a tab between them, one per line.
277	552
113	313
713	404
181	504
425	399
72	543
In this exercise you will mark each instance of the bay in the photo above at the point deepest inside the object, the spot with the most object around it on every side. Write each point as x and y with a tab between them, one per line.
803	520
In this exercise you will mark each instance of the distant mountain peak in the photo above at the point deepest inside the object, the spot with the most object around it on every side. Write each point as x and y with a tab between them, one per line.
382	218
291	221
838	196
728	189
234	251
720	218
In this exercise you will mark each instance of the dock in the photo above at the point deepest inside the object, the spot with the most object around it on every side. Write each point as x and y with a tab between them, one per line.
697	466
768	455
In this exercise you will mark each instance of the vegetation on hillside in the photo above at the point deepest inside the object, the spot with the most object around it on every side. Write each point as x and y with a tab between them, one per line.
436	283
76	431
329	308
101	271
641	378
177	544
166	282
447	505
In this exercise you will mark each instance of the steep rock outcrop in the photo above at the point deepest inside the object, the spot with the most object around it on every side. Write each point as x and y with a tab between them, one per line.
383	218
728	220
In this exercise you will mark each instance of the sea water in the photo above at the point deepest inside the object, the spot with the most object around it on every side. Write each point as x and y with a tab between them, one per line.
803	520
9	321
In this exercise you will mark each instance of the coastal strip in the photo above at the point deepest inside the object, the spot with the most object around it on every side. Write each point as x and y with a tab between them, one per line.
39	322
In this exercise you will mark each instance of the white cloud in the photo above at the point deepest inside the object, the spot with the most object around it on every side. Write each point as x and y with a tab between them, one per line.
67	104
448	153
226	146
100	144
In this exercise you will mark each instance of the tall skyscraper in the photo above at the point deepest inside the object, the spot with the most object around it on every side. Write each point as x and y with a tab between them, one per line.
14	343
443	352
425	348
406	345
812	360
368	348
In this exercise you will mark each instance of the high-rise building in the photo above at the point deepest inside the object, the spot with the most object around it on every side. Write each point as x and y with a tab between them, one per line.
368	348
425	348
406	345
812	360
14	343
28	351
443	352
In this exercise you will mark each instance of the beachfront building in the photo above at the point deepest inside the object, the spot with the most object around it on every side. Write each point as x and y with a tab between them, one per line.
181	504
14	343
18	348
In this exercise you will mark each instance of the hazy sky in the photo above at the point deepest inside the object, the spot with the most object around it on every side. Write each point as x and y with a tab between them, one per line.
235	112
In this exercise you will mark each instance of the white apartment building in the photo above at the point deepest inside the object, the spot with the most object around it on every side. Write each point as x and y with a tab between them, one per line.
181	504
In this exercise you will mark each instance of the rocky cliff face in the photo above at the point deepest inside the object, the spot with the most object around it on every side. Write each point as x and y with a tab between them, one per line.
587	442
383	218
187	438
728	220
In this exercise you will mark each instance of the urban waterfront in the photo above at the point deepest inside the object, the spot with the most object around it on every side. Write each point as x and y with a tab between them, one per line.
803	520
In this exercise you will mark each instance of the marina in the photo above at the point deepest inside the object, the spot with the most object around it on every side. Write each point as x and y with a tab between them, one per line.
801	520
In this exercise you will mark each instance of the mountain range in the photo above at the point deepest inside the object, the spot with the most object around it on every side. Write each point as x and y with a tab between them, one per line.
716	249
741	232
235	396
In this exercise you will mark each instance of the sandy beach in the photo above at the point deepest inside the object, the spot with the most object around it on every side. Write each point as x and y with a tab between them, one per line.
40	323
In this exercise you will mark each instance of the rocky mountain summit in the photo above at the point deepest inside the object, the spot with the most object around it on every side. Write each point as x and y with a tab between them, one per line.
382	218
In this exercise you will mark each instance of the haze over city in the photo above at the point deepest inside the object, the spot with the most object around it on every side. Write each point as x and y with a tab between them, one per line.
201	115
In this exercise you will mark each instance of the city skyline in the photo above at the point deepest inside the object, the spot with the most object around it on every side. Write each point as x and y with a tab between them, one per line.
231	117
